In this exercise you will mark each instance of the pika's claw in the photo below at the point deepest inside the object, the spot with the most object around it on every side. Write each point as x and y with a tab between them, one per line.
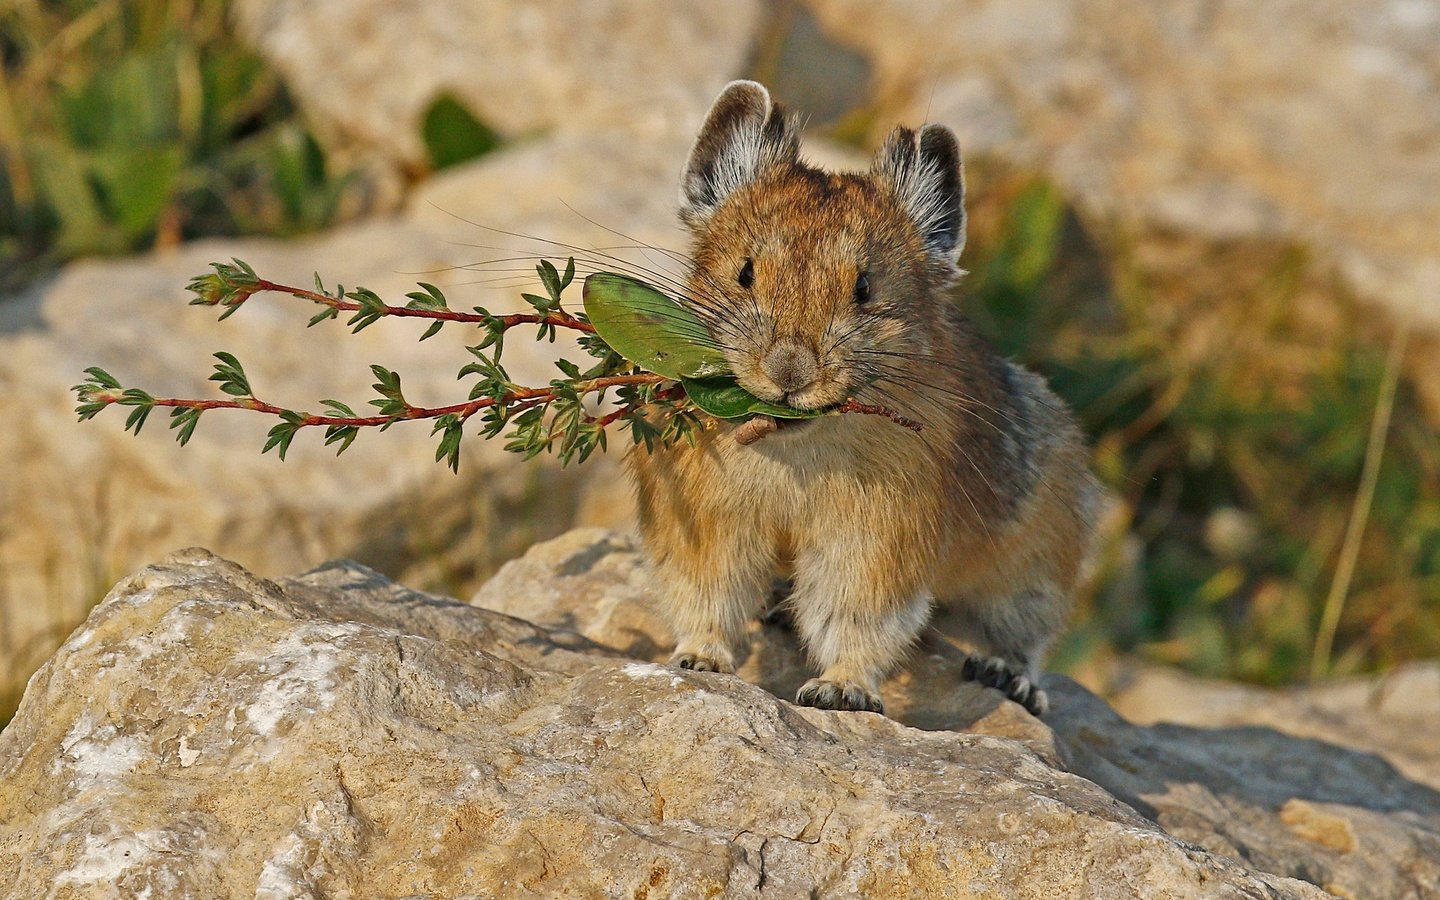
699	663
846	695
992	671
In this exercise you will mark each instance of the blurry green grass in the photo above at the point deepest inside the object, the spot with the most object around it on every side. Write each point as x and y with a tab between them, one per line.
125	124
1232	426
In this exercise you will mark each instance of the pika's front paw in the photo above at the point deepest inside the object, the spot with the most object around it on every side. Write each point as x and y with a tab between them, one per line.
701	663
847	695
992	671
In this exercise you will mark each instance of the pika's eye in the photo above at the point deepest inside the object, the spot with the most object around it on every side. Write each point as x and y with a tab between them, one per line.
862	288
747	273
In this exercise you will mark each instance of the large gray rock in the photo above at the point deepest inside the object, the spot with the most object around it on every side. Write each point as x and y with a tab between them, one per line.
1289	121
1335	811
209	733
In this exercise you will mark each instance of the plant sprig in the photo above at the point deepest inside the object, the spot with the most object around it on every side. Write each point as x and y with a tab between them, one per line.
556	417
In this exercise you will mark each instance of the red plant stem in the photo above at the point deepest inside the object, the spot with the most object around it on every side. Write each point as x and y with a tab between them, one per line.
616	414
854	406
560	319
464	410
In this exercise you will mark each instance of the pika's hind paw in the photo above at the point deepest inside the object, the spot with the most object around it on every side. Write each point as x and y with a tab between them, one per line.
701	663
992	671
846	695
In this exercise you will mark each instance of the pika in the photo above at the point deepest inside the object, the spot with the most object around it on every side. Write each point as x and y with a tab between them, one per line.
820	287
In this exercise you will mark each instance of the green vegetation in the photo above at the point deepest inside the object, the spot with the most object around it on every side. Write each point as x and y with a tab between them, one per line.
125	124
453	135
1232	422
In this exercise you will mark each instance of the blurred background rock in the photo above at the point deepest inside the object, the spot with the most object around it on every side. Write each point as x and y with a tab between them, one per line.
1214	226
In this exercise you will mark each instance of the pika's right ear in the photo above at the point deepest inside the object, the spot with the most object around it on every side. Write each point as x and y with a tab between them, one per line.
743	135
928	176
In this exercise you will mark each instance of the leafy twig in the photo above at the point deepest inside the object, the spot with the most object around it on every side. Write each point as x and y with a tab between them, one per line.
539	419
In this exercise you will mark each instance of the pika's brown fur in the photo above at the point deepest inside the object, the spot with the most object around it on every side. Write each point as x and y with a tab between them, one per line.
822	287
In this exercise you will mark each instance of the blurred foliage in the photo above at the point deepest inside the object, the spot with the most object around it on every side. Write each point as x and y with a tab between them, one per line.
1232	427
453	135
124	124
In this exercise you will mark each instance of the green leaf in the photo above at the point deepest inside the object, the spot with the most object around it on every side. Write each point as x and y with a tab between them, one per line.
550	277
370	311
452	133
433	330
345	434
571	370
328	312
137	417
184	418
231	376
430	298
650	329
280	436
449	449
724	398
387	385
102	378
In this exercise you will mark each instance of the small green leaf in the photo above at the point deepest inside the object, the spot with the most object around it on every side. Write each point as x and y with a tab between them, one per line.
429	297
102	378
370	311
550	277
345	434
284	432
328	312
137	417
724	398
449	449
231	376
185	419
387	385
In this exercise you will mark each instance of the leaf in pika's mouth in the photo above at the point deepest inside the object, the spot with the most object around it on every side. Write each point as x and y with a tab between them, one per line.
724	398
659	335
650	329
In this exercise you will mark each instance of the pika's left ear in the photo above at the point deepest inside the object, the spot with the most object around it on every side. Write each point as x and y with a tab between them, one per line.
745	134
928	177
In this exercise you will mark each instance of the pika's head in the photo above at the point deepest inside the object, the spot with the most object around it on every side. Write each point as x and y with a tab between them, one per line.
817	283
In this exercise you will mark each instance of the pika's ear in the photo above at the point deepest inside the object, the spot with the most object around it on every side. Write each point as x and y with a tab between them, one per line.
928	176
744	134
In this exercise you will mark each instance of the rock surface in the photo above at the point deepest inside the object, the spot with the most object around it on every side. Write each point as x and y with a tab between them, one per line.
576	65
210	733
1396	716
1354	810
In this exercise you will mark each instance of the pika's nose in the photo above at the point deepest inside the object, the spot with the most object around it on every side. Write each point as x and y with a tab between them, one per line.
791	366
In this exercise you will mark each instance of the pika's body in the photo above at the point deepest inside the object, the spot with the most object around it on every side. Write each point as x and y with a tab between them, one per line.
822	287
